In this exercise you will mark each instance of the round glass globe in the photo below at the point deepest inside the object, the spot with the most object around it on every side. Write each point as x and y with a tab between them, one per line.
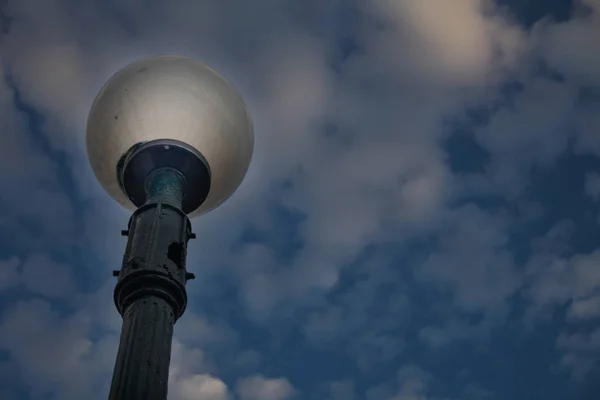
171	97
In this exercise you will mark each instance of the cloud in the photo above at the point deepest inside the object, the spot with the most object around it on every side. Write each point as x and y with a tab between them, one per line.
395	175
567	45
199	387
568	283
9	273
53	352
460	43
40	275
567	48
43	276
411	384
30	179
199	330
567	280
261	388
580	353
342	390
533	130
592	185
472	257
349	161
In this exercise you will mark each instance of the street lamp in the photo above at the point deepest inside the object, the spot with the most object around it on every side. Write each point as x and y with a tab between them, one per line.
168	138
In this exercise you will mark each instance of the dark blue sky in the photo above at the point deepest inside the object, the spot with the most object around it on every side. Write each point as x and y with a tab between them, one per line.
419	222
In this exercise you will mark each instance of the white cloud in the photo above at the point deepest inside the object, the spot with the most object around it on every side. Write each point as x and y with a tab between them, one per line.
192	371
199	387
262	388
441	43
385	172
187	361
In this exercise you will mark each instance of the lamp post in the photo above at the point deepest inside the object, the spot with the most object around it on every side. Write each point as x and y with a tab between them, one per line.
168	138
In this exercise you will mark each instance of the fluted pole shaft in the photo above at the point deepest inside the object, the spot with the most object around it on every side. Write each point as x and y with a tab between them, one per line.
150	293
142	366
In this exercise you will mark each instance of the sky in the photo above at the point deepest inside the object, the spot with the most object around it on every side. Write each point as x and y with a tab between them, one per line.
420	219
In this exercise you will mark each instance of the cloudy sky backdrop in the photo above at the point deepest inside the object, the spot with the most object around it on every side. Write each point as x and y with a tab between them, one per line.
420	220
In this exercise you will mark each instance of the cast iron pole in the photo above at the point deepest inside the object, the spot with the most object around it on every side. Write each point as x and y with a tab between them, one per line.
150	293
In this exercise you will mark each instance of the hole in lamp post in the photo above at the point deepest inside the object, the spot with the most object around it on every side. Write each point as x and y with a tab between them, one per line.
176	254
